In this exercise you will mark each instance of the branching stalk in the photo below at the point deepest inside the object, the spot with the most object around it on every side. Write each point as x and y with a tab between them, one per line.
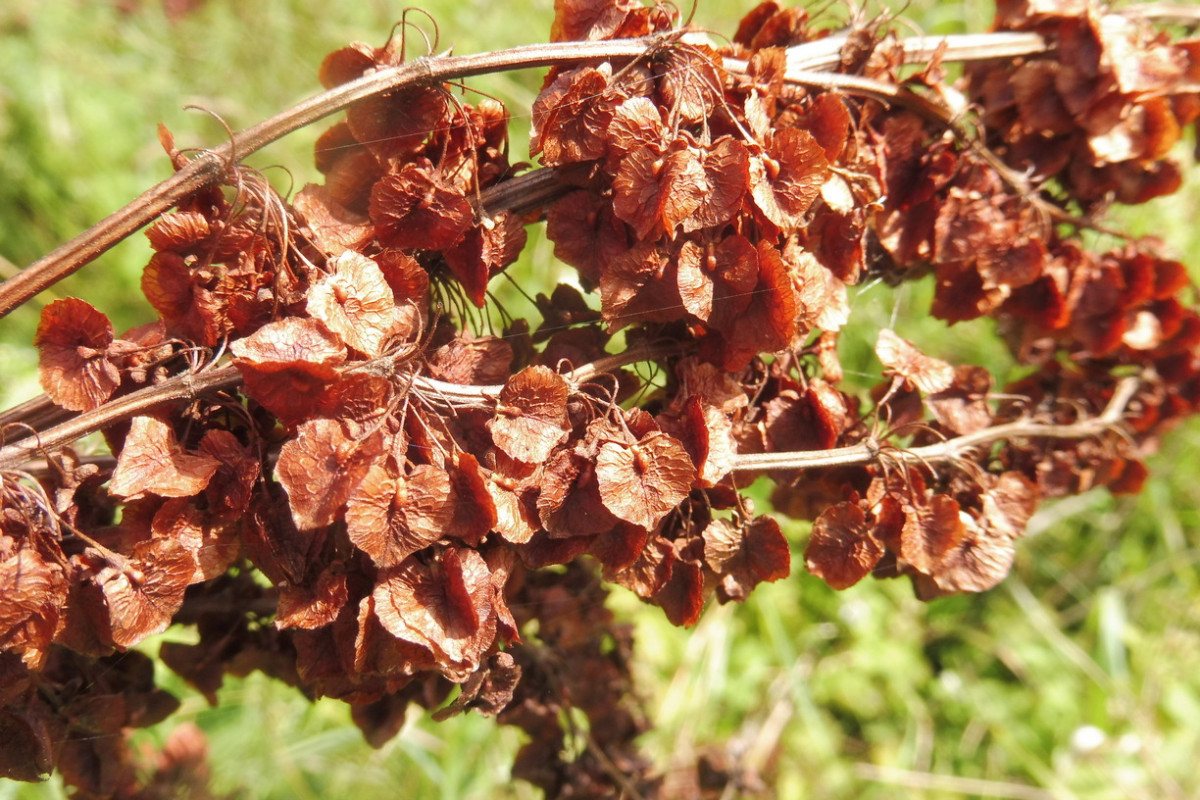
190	386
950	450
212	165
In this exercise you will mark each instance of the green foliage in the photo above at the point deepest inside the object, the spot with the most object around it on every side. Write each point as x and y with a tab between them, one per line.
865	693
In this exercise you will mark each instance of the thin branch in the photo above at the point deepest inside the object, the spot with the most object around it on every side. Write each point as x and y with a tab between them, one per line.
25	451
1164	12
33	414
951	449
459	394
212	165
188	386
910	779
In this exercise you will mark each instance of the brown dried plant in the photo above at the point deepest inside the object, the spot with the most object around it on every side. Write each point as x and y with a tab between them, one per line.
322	464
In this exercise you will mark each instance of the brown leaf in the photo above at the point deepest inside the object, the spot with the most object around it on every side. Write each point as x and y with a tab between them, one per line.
513	498
321	467
350	62
472	360
682	596
637	122
643	481
639	285
650	572
716	281
228	492
841	549
472	510
654	191
812	420
214	544
334	227
586	233
485	250
207	302
706	433
787	178
488	691
355	302
531	414
745	556
292	343
962	407
619	547
396	124
726	165
691	82
977	563
312	606
74	367
350	169
579	20
822	297
33	591
408	279
568	499
445	605
769	26
770	320
358	399
30	741
286	365
377	652
152	462
935	530
899	357
415	207
144	592
829	122
390	517
179	231
572	115
1009	503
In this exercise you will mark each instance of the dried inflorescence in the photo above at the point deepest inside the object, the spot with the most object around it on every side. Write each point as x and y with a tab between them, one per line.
398	477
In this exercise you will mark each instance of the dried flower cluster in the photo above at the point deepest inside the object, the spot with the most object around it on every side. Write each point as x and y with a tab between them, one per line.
323	463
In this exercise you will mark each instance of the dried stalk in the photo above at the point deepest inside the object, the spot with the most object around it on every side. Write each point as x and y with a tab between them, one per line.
212	165
188	386
28	445
1112	418
525	192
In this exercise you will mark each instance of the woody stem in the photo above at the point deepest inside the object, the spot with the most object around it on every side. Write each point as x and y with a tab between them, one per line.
23	453
212	165
951	449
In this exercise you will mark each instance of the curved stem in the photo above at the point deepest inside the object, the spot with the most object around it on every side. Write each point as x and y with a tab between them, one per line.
209	167
190	386
951	449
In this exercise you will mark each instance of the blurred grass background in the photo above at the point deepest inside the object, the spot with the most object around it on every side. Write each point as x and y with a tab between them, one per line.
1076	678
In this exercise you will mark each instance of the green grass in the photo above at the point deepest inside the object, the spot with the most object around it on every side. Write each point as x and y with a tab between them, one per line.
865	693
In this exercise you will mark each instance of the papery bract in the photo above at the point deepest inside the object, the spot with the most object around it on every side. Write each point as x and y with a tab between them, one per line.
446	606
74	365
152	462
320	469
841	549
640	482
390	517
531	415
144	593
